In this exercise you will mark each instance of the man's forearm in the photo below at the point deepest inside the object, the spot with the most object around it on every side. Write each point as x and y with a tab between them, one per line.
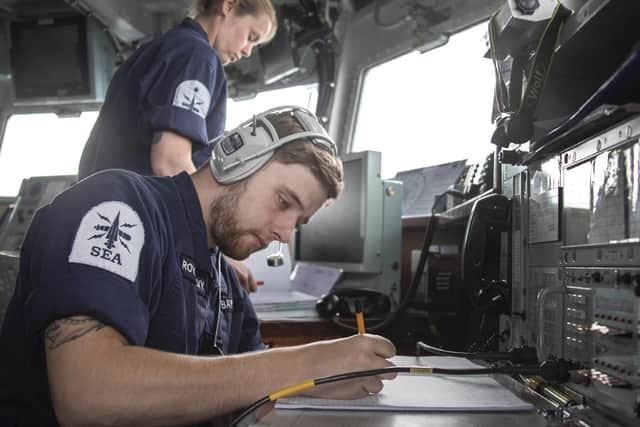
96	378
95	382
171	154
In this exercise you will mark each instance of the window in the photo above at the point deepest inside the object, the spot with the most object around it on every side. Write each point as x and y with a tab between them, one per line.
41	145
45	144
240	111
426	109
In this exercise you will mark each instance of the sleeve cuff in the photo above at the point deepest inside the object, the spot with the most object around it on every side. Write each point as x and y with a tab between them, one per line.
113	302
180	121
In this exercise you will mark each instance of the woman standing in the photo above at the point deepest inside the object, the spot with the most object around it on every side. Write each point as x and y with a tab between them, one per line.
168	100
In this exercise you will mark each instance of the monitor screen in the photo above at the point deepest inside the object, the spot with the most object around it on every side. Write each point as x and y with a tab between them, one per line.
49	57
334	234
348	234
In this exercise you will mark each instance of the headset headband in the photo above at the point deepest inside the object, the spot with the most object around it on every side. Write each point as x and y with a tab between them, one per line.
242	151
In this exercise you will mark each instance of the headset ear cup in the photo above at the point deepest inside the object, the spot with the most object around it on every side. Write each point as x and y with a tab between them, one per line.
230	166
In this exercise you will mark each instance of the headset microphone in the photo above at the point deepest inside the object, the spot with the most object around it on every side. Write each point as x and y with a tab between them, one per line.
276	259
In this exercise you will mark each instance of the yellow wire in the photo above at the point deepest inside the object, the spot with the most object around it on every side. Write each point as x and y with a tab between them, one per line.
420	370
291	390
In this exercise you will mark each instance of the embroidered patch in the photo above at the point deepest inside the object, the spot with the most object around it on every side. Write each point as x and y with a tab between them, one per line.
110	237
192	95
199	278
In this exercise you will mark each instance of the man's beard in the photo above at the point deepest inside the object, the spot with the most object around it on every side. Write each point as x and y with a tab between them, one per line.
224	227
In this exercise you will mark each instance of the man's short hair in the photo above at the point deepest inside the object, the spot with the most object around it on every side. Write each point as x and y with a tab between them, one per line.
321	162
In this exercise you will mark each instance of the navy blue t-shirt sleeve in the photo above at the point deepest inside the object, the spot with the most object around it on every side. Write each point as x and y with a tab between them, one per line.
95	254
181	91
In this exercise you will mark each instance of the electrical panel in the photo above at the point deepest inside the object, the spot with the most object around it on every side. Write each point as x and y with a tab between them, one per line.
575	265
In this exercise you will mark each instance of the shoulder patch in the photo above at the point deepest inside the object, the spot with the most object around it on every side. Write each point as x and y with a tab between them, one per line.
192	95
110	237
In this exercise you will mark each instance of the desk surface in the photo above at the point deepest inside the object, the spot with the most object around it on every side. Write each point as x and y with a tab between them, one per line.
309	418
286	328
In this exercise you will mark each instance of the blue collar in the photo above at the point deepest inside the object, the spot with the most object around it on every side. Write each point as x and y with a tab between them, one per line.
190	23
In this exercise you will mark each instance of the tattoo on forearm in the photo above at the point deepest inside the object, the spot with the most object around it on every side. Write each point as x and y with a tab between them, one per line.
62	331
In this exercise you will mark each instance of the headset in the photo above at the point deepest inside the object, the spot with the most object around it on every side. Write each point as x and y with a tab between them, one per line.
242	151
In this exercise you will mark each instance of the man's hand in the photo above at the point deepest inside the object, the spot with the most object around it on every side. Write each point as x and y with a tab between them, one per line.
355	353
243	273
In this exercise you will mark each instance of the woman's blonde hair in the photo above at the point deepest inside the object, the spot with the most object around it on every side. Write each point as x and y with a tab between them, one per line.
242	8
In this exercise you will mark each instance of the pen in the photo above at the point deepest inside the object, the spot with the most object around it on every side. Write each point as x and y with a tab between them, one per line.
360	318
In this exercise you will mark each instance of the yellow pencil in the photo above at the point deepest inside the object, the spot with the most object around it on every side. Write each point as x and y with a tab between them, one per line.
360	319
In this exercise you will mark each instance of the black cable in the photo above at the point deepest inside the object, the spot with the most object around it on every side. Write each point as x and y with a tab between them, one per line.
557	370
325	67
442	352
318	381
393	316
255	405
518	355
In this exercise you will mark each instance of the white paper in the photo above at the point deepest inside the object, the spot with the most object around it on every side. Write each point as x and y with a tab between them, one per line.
425	392
282	291
316	280
280	301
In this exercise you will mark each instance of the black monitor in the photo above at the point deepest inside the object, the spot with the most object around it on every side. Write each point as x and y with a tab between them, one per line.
49	57
360	233
60	60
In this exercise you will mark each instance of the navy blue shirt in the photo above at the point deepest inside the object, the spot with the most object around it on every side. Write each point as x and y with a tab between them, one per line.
176	83
131	252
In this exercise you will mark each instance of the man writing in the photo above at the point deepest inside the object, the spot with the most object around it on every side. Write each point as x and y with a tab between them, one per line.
123	294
